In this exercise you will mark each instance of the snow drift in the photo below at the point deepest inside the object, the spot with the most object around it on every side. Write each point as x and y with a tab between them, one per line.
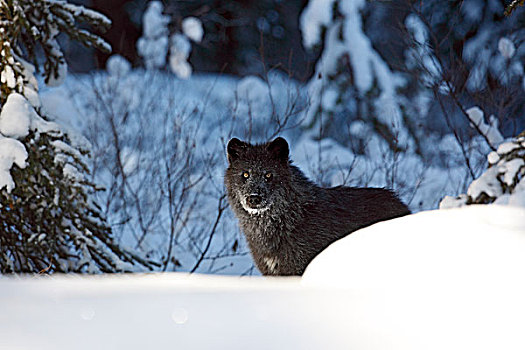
447	279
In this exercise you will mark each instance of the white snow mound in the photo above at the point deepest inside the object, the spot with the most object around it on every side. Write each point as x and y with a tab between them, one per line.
473	246
446	279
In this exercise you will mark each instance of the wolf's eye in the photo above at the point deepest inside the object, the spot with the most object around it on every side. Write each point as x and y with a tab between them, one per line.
268	176
246	174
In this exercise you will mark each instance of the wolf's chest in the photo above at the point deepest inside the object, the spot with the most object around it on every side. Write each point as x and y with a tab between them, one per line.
271	264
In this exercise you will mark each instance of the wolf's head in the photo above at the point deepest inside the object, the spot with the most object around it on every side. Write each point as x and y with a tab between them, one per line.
256	174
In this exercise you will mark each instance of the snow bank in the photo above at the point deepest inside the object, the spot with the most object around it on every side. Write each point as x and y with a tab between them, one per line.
162	311
448	279
477	246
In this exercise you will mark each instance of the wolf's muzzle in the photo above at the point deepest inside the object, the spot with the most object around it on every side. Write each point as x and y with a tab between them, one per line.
253	200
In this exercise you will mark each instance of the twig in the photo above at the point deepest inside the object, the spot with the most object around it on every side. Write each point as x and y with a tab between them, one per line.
220	211
458	139
512	6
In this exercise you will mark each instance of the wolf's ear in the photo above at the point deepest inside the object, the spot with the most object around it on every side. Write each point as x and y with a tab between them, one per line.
279	149
235	146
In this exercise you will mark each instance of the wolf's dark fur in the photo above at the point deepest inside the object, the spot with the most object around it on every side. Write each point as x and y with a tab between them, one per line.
287	219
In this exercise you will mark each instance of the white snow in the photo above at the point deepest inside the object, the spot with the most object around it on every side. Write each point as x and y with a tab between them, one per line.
251	88
182	69
449	202
32	96
16	116
129	159
71	172
153	45
475	114
487	183
180	49
364	58
417	29
8	77
78	10
153	51
11	152
317	14
29	74
448	279
192	28
510	170
507	147
118	66
154	22
38	124
452	277
165	310
493	157
506	48
62	147
490	131
180	46
475	246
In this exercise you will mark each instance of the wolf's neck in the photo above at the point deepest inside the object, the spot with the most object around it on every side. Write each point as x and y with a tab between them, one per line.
270	230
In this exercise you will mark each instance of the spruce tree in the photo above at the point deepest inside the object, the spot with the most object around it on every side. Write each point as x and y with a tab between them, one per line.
48	221
502	183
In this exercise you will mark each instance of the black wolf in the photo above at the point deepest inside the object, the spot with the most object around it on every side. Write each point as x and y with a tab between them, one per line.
287	219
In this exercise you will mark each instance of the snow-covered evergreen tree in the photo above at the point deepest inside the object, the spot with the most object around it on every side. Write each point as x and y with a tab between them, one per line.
351	80
180	46
48	221
153	45
473	54
480	54
156	42
502	183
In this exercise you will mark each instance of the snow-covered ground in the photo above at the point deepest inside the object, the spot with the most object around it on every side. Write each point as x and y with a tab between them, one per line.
445	279
478	246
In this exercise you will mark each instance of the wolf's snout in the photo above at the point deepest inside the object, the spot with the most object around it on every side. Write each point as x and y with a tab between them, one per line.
254	200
